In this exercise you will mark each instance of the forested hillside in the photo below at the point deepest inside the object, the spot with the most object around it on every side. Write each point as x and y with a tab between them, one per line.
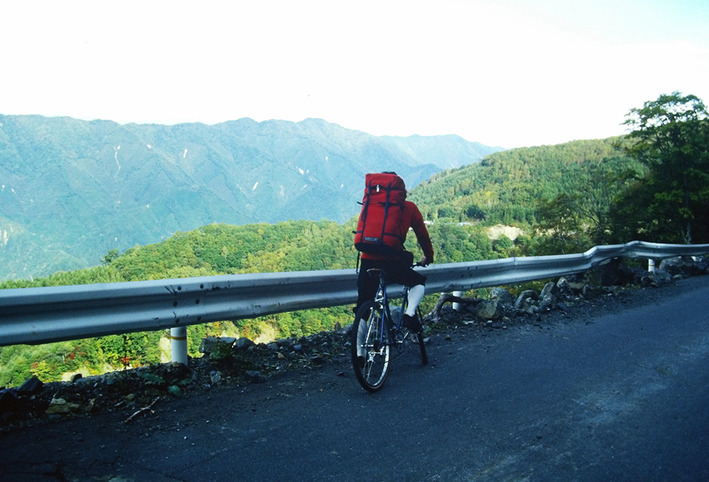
460	205
506	187
72	190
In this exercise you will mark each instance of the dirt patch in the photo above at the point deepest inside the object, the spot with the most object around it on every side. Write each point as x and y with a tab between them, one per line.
499	230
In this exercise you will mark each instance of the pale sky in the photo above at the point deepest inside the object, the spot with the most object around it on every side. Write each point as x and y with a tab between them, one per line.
507	73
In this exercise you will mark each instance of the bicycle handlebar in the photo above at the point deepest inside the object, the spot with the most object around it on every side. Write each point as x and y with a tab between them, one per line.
372	271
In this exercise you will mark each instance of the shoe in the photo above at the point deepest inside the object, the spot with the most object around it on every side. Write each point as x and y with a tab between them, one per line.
412	324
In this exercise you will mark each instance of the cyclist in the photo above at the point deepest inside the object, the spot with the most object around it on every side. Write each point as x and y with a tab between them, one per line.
398	267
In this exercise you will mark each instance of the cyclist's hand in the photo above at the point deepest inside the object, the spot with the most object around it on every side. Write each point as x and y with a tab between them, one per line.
425	261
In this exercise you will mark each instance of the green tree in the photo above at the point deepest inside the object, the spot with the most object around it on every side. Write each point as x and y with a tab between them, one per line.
110	256
671	136
561	225
576	220
473	211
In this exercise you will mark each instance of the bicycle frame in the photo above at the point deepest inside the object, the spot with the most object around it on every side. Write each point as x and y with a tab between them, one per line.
382	299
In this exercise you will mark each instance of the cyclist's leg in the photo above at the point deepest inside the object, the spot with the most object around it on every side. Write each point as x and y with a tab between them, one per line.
407	276
416	293
366	284
416	283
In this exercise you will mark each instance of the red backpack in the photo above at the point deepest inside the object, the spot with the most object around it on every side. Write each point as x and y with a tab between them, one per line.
378	227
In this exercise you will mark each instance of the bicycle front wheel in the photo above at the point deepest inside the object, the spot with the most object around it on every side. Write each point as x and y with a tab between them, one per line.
370	347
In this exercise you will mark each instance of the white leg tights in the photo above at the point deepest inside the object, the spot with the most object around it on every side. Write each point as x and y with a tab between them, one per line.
415	296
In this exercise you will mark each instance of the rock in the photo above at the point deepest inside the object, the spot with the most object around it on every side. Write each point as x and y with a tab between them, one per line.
211	344
702	265
502	296
488	310
612	272
655	278
31	386
526	299
215	377
679	266
549	290
548	296
242	343
579	287
60	406
569	289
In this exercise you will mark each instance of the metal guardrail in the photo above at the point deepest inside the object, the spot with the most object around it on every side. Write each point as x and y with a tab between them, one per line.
42	315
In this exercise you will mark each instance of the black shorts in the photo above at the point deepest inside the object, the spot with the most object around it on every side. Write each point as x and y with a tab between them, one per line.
396	272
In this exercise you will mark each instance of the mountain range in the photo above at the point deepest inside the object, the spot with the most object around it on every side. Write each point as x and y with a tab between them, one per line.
71	190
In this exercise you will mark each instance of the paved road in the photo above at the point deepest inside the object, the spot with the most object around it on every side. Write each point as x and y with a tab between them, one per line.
619	394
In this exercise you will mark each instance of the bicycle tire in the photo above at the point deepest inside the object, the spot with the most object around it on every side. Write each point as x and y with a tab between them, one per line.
370	357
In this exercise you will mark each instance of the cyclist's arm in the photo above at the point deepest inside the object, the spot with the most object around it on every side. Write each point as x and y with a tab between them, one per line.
422	235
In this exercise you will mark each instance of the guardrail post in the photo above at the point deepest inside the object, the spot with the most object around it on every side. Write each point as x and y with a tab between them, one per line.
178	343
650	265
456	305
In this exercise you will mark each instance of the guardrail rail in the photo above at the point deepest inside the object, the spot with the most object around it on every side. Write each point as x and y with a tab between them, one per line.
48	314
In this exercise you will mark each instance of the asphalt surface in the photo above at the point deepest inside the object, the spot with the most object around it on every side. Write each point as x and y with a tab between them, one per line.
615	392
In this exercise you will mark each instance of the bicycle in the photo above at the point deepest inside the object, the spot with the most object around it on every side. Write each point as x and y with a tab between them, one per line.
376	330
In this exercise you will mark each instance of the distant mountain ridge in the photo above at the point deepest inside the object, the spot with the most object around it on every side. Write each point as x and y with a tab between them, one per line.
71	190
450	151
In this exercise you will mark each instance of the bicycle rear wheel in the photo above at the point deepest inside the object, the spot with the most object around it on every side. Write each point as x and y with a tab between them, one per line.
370	347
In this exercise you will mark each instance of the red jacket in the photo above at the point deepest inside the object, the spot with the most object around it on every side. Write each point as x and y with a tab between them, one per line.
412	219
